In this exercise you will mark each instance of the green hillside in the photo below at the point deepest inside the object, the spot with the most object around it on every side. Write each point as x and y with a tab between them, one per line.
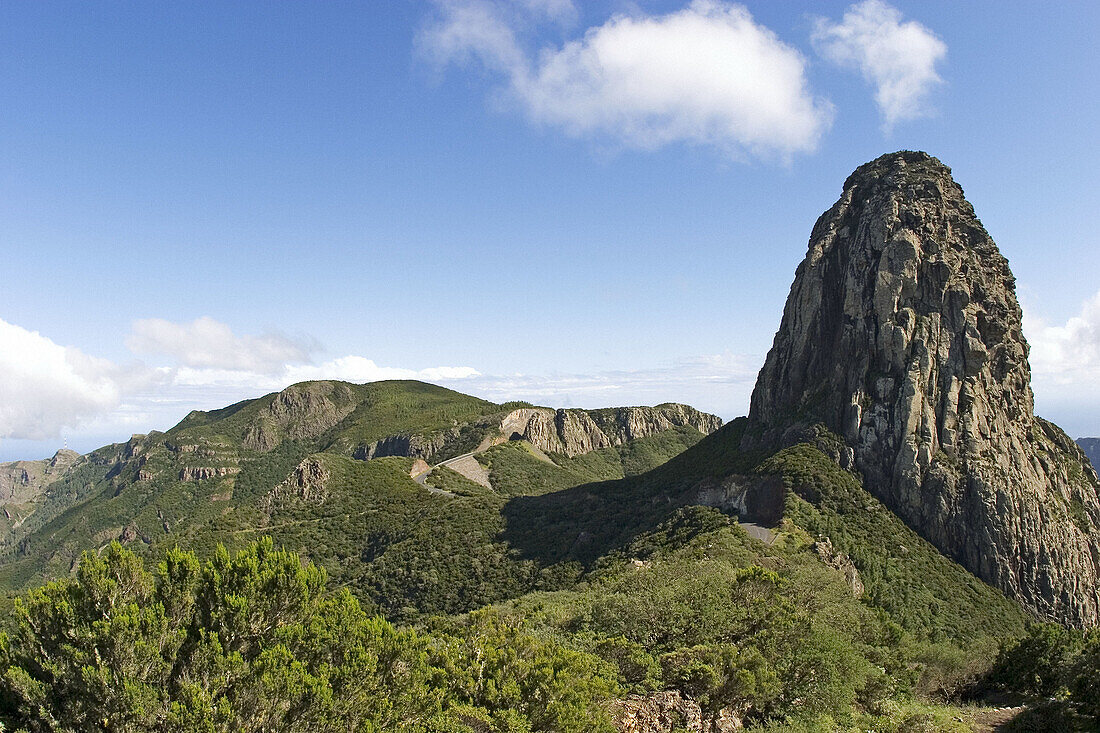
402	547
673	564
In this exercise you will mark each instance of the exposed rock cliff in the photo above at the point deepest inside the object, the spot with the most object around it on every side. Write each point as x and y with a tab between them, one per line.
409	446
668	711
24	481
902	334
299	412
308	482
575	432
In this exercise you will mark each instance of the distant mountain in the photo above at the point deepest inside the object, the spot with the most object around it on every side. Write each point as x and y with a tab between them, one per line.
23	487
1091	448
346	473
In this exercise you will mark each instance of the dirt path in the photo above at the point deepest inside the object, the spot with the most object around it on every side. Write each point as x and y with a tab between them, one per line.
758	532
994	719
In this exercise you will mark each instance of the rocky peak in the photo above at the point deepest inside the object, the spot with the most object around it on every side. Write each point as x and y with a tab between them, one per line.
902	334
301	411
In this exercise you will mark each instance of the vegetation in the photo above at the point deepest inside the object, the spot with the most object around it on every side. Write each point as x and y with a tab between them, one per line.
251	642
532	605
1060	667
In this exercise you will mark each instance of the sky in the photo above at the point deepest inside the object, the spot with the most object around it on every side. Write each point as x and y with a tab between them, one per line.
576	204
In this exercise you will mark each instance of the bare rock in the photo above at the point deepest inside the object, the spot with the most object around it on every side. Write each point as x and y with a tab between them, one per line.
902	334
576	432
300	412
202	473
308	482
407	446
667	711
840	562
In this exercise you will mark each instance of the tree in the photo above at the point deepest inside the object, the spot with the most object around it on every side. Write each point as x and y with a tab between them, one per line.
249	642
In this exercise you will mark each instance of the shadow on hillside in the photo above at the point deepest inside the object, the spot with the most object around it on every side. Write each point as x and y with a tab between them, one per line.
585	522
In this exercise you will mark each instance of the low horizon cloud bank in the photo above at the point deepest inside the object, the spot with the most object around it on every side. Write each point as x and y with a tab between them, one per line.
50	393
48	390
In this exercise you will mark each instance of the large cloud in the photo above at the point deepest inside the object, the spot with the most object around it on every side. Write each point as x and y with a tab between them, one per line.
45	387
707	74
898	58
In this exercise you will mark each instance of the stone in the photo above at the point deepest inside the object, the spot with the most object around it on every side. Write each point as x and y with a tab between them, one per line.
669	711
300	412
902	335
576	432
308	482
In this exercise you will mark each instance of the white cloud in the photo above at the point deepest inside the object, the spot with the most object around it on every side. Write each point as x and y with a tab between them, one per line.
1065	367
898	58
206	343
45	387
707	74
1067	354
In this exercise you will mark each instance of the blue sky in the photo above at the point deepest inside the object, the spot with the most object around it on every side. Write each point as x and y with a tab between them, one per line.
200	202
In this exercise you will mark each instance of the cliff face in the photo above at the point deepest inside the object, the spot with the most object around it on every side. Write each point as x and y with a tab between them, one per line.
299	412
575	432
902	334
24	481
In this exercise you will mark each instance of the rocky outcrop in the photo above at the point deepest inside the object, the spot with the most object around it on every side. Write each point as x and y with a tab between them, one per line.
902	335
669	711
841	563
570	432
202	473
575	432
300	412
759	499
308	482
25	481
407	446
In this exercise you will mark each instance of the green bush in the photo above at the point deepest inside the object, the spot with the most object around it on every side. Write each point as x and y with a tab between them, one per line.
247	642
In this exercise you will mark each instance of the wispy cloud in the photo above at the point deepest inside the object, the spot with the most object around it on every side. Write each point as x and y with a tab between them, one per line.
898	58
719	383
206	343
706	75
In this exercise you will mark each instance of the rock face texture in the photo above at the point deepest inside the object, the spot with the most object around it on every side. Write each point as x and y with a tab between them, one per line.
23	481
902	335
668	712
410	446
299	412
308	482
575	432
